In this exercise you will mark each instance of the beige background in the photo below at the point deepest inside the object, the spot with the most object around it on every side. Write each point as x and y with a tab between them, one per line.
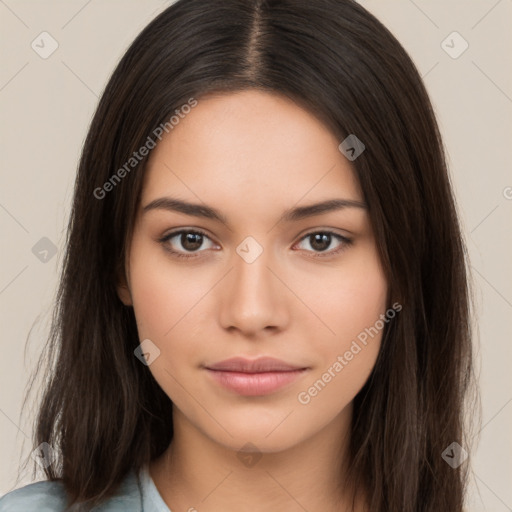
47	104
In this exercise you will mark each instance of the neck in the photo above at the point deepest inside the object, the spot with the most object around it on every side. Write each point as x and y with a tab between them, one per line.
196	473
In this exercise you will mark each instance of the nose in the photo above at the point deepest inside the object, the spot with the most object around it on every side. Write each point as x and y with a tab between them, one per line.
253	300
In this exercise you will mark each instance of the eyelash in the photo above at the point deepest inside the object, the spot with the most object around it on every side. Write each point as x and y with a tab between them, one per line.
346	242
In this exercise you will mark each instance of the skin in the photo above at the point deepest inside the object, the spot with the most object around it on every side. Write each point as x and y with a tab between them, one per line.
253	155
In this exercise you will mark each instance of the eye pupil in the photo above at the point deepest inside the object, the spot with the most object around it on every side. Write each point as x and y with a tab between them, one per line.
321	241
191	241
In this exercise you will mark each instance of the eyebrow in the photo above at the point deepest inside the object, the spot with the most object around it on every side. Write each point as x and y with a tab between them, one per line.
291	215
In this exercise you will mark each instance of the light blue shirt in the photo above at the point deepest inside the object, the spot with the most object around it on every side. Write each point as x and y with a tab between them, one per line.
137	493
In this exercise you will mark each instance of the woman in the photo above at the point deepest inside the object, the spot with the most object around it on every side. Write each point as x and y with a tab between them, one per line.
264	301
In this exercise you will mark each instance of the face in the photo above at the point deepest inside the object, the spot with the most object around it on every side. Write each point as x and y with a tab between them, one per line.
229	259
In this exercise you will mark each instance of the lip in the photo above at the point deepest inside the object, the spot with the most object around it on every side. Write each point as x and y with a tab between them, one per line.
260	365
254	377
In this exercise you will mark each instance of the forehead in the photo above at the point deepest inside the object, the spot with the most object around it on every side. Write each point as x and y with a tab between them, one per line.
249	149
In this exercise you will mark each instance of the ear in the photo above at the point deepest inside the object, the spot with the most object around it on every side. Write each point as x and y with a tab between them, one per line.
124	294
123	289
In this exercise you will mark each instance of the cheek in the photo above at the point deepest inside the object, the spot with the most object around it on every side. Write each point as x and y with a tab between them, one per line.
350	306
163	294
165	301
360	301
346	300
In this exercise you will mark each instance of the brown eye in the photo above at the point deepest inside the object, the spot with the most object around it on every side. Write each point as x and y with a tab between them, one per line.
321	241
191	241
179	243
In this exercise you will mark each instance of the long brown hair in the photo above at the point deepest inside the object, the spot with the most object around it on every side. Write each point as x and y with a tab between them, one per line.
103	412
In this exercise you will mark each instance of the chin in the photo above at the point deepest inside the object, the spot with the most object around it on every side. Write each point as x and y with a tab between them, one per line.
269	436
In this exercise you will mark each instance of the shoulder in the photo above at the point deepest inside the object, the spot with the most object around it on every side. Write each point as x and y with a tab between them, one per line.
49	496
41	496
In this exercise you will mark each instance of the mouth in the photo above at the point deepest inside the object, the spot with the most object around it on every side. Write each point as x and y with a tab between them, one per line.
254	377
